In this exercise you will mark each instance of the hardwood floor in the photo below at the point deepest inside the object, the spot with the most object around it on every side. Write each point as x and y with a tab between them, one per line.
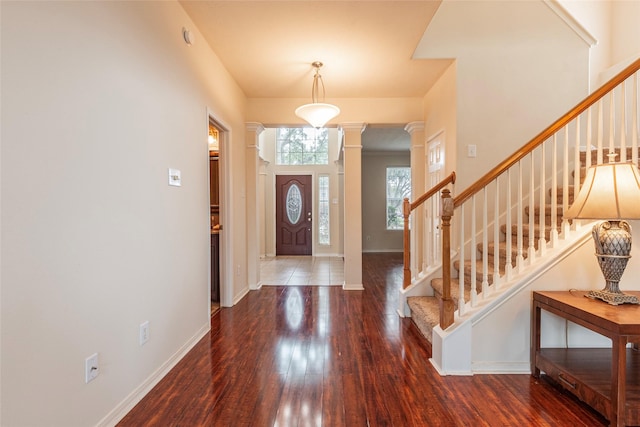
321	356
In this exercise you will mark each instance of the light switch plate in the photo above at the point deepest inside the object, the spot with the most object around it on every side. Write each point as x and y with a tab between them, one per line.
175	177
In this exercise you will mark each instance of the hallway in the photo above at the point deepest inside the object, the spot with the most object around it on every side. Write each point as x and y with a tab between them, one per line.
322	356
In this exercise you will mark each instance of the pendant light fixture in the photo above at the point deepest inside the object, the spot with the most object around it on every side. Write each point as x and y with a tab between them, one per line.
317	113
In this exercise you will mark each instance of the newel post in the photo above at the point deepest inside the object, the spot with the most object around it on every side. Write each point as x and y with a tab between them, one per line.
406	211
446	303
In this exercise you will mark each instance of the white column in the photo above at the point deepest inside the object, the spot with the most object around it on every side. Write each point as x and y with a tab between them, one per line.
352	205
416	130
252	159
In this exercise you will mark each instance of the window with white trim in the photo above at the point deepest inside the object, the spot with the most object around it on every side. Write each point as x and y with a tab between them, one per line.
398	187
324	231
302	146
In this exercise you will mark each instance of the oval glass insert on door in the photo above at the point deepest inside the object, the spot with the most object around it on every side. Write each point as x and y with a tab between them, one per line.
294	204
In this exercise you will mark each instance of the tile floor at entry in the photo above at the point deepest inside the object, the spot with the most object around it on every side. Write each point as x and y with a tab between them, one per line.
302	271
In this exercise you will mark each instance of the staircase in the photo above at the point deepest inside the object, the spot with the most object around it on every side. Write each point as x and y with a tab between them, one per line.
425	309
508	225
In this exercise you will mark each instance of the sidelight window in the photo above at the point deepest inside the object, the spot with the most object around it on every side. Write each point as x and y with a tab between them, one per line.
323	210
398	187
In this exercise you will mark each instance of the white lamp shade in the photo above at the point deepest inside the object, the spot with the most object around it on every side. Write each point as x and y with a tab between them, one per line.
317	114
610	191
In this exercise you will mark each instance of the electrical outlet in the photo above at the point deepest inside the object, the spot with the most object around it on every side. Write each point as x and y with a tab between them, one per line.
91	369
144	332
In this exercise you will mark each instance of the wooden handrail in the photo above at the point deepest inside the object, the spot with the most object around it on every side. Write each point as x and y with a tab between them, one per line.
546	134
450	179
407	208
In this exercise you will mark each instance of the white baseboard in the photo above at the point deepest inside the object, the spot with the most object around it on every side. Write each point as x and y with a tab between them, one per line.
241	295
123	408
352	287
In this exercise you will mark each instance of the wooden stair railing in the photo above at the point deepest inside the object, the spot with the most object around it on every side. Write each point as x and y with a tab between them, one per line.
544	168
407	208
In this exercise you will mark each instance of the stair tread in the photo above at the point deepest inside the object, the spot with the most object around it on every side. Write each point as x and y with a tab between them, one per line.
425	313
502	247
547	210
526	230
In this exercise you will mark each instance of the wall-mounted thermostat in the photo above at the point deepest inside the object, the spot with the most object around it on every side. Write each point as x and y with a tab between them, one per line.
174	177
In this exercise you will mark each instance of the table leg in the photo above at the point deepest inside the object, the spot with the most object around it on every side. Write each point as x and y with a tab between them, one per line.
618	381
535	338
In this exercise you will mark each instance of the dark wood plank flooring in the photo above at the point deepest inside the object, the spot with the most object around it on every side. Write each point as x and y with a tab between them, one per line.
321	356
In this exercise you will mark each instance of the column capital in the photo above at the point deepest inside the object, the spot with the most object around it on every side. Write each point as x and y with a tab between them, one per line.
412	127
256	127
353	126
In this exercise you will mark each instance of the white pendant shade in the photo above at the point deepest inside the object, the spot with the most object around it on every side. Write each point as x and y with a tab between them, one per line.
317	114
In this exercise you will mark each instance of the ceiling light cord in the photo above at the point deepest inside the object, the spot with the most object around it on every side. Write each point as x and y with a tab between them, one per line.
317	114
317	84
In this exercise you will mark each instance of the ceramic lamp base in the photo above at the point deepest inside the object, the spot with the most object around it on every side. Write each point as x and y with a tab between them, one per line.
613	248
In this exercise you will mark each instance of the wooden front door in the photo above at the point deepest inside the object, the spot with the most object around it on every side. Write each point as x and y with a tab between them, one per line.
293	214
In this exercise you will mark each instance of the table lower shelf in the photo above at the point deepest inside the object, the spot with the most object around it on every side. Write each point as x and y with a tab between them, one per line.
586	373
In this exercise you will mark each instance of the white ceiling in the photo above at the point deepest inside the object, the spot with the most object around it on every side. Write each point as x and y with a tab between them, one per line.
366	47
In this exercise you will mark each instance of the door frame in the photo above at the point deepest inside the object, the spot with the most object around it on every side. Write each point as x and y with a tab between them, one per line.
226	220
274	224
312	207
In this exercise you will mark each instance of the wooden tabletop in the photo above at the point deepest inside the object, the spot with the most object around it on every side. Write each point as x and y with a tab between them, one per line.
623	319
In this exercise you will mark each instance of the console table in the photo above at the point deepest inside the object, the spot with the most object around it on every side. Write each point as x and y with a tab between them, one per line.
608	379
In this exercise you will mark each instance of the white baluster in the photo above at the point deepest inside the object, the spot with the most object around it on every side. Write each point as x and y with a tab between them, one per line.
485	245
508	269
496	235
623	122
472	279
634	131
589	148
576	165
542	208
461	301
519	208
600	131
554	194
532	207
565	182
612	124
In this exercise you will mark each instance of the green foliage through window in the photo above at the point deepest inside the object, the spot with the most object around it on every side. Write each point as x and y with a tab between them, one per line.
302	146
323	210
398	187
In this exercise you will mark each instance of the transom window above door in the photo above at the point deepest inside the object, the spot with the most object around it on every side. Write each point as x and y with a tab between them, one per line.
302	146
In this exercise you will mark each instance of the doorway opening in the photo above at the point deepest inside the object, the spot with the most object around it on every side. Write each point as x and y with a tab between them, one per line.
215	142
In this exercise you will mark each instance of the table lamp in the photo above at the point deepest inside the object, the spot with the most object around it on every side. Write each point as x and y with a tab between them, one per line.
611	192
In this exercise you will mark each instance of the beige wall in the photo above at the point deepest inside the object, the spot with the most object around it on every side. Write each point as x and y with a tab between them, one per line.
615	26
626	31
518	68
375	236
99	99
440	116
